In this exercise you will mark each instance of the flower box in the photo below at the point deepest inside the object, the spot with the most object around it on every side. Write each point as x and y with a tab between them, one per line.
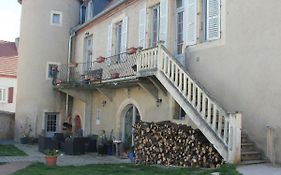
100	59
132	50
72	65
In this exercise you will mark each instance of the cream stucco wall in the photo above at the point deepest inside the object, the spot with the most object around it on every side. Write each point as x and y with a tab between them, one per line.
112	112
242	70
6	83
41	43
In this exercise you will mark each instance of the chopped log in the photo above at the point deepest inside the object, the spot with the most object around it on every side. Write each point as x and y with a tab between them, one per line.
167	143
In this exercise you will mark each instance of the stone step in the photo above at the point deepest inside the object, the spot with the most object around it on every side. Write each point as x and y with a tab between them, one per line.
247	146
250	162
250	155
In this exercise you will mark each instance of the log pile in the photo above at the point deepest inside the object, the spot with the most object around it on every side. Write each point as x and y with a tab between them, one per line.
170	144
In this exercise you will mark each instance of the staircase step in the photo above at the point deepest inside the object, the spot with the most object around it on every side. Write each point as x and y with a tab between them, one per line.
250	155
247	146
249	162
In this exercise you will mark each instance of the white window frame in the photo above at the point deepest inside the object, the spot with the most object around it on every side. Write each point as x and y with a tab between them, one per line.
51	133
89	11
155	7
179	10
4	96
87	52
52	15
98	117
47	69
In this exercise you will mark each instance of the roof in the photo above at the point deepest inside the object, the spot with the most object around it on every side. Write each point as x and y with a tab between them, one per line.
112	5
8	59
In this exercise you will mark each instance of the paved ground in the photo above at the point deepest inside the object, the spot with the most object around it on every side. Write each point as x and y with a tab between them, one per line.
259	169
35	156
10	168
15	163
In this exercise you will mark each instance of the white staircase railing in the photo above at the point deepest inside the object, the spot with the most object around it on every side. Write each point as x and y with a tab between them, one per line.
221	128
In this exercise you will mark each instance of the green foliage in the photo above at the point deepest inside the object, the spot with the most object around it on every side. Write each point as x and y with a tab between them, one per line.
121	169
10	150
51	152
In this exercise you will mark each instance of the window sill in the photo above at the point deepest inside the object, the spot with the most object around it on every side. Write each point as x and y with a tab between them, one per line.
206	45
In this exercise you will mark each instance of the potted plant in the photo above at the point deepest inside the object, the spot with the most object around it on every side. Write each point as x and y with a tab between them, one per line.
131	50
114	74
72	65
51	157
100	59
102	143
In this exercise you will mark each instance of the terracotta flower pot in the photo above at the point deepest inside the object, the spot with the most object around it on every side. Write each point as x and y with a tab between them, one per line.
51	160
73	65
100	59
132	50
114	75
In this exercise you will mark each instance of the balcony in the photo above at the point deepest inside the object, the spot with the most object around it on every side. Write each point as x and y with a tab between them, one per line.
117	68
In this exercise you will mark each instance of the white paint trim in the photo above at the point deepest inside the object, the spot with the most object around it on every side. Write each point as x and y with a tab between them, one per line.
51	18
47	68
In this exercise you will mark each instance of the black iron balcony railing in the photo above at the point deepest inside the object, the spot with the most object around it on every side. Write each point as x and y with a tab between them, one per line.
103	69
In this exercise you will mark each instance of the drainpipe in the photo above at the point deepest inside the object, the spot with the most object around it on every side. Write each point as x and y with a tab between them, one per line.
72	34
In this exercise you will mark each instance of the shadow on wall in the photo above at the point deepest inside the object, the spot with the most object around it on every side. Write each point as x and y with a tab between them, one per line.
7	125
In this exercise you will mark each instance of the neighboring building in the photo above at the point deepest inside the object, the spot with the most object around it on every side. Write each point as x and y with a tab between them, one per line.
205	43
8	88
8	76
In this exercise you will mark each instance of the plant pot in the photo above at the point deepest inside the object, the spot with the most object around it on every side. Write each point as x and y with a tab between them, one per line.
51	160
131	156
114	75
100	59
24	140
73	65
131	50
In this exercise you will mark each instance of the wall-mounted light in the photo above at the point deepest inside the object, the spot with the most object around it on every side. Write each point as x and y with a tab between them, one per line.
103	103
158	102
87	34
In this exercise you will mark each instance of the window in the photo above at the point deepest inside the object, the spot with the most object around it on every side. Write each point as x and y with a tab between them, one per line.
3	95
82	14
118	35
207	13
98	117
52	70
179	26
155	23
56	18
89	10
88	58
51	122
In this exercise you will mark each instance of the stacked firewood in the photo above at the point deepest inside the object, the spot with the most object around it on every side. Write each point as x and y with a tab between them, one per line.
167	143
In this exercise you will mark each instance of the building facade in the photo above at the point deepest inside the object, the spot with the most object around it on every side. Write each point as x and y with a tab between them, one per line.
192	56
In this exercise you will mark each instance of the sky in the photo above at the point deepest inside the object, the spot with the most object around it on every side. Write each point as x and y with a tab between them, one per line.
10	11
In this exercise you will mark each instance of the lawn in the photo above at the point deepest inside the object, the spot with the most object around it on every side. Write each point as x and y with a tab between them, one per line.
123	169
10	150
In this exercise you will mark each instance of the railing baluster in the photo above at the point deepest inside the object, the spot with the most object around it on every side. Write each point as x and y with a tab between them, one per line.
220	123
214	117
185	85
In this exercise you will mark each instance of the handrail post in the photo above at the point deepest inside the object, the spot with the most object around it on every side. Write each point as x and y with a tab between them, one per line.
160	44
234	142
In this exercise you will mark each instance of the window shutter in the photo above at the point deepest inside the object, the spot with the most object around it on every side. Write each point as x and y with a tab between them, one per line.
109	41
124	38
163	21
191	15
213	20
142	27
10	94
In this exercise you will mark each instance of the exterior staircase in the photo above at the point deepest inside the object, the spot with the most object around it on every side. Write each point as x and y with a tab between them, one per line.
249	152
221	128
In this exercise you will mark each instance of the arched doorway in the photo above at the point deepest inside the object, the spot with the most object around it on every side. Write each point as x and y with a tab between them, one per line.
131	116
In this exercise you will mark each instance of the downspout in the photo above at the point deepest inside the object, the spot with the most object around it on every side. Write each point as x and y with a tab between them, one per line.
72	34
